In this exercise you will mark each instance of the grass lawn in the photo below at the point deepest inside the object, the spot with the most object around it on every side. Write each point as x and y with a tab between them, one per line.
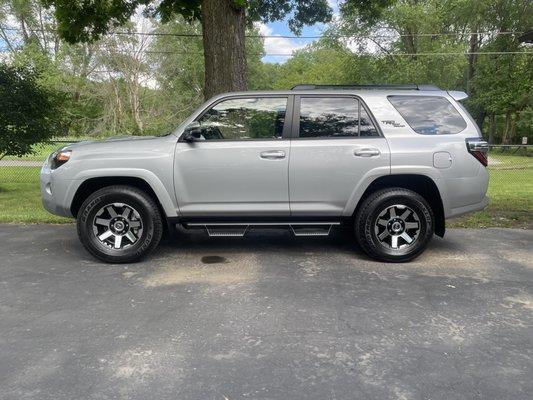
510	190
20	197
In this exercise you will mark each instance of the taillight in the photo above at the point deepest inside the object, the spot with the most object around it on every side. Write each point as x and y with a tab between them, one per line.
479	149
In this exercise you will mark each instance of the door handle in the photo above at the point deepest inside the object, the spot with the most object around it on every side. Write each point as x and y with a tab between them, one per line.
366	152
272	154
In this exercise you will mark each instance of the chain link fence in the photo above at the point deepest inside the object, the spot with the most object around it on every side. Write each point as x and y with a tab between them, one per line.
510	168
25	170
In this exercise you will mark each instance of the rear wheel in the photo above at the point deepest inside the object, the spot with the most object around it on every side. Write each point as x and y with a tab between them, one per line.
394	225
119	224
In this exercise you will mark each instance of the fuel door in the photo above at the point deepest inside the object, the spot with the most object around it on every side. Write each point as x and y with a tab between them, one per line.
442	160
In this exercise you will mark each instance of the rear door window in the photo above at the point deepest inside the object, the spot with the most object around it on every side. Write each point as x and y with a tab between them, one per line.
334	117
429	115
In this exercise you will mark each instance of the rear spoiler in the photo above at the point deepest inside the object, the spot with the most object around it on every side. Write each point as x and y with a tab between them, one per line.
457	95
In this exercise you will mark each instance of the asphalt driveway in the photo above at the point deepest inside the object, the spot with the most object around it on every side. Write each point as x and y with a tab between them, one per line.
268	316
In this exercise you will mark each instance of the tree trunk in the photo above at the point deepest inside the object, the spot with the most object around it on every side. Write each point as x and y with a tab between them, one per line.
492	128
472	59
512	131
480	118
223	27
507	131
408	39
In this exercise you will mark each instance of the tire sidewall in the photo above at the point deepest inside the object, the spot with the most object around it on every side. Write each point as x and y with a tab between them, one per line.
372	244
117	195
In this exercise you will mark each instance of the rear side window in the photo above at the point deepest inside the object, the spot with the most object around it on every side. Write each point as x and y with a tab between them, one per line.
334	117
429	115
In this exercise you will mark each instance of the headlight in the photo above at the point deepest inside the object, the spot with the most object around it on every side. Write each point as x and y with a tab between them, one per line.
59	158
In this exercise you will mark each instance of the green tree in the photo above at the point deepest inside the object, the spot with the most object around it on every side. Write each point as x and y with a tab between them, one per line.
324	62
178	67
28	112
223	26
426	29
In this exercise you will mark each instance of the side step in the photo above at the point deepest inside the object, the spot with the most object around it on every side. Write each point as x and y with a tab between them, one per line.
239	229
303	230
233	231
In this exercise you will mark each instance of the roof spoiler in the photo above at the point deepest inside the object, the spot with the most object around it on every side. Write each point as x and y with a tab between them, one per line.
457	95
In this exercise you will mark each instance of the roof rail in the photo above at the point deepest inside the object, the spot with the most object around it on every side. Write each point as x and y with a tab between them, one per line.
366	87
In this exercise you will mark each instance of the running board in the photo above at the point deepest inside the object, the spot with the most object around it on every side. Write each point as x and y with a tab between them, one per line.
303	230
239	229
227	231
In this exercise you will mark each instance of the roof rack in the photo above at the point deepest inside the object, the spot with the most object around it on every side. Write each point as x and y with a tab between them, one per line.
366	87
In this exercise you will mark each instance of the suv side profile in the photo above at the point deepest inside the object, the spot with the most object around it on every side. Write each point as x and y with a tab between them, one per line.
392	162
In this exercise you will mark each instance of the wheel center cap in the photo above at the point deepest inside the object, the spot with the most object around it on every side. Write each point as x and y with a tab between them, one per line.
396	226
119	225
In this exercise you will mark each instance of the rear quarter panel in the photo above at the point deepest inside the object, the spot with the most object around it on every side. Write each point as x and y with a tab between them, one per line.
461	184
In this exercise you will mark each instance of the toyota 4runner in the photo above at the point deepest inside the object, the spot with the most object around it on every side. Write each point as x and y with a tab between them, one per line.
391	162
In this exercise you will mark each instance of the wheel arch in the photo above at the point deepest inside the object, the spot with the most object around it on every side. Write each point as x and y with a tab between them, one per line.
91	185
421	184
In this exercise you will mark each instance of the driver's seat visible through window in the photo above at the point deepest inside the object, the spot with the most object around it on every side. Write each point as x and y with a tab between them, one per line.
245	119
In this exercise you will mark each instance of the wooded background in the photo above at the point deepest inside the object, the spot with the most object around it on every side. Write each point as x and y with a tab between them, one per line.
142	68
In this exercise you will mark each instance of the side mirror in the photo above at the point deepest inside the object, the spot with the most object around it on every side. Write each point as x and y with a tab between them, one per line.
192	133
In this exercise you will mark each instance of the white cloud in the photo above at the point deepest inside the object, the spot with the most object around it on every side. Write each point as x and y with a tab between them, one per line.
334	4
277	45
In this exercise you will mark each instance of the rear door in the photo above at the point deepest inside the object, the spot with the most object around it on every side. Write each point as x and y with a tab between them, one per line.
239	164
336	151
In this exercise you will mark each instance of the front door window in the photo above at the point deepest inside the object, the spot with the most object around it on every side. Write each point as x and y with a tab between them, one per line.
245	119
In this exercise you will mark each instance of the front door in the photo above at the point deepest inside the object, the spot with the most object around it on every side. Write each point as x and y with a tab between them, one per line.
336	150
239	163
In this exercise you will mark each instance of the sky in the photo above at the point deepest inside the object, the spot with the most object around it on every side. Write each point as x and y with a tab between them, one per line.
287	46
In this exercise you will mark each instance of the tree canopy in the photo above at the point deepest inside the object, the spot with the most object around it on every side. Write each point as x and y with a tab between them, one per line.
28	112
88	20
223	26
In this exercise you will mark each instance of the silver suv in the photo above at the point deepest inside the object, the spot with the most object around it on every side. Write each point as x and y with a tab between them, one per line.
390	162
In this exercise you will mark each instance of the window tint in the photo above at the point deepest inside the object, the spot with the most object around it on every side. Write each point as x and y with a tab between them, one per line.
246	118
429	115
334	117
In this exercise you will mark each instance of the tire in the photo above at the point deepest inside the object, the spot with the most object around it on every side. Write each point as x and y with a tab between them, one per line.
394	225
119	211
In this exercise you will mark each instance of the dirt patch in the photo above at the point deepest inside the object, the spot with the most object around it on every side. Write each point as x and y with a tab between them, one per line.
522	300
131	370
522	257
234	269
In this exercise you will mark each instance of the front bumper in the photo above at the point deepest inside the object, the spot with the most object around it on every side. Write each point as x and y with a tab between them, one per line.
53	192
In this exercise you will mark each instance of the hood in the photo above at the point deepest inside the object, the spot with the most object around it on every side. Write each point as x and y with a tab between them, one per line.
110	140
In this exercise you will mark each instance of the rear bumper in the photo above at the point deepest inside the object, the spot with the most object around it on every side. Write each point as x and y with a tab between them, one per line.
466	193
457	212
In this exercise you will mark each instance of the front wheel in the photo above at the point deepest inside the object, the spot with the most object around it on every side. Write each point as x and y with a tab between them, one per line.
119	224
394	225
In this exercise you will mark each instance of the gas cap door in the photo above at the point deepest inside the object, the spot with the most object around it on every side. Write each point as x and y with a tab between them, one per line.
442	159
